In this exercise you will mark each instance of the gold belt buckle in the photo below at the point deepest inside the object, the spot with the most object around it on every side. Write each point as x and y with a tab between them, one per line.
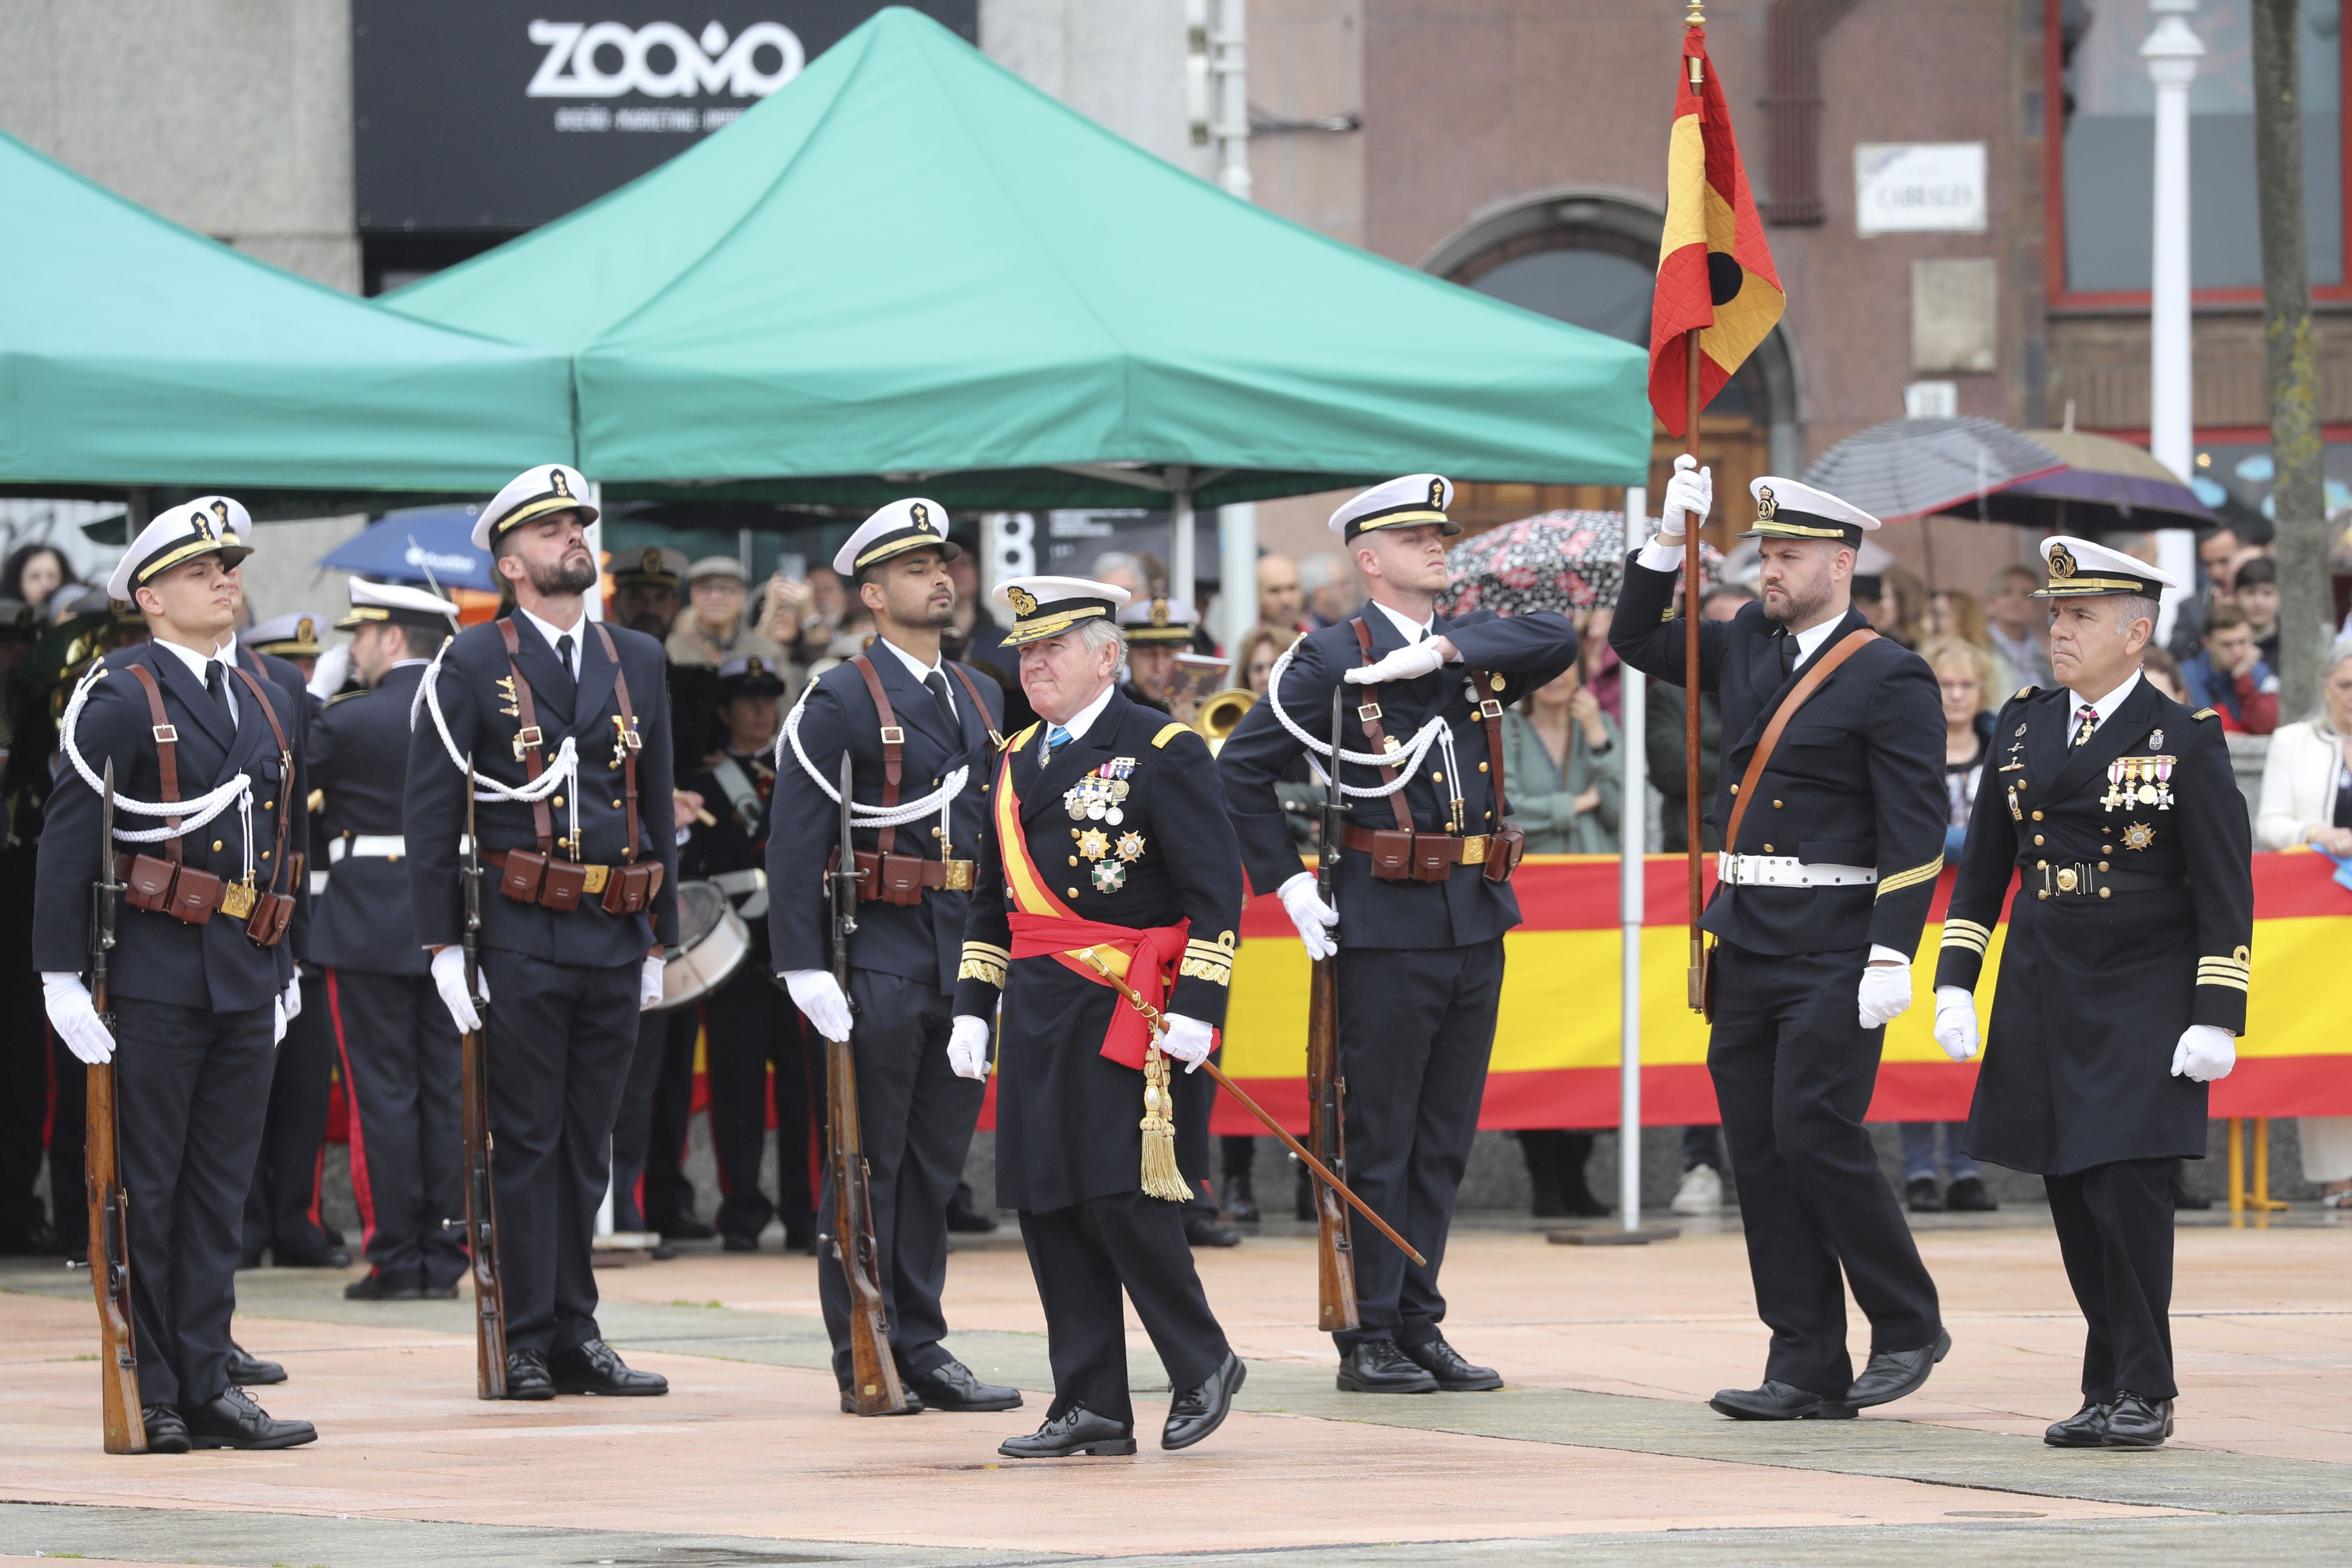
597	875
1473	849
2066	878
237	900
959	877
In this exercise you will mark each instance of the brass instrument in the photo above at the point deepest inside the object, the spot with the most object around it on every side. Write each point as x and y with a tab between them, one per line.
1221	713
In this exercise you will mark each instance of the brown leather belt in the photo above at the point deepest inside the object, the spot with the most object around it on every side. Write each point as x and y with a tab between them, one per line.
1414	856
529	878
904	878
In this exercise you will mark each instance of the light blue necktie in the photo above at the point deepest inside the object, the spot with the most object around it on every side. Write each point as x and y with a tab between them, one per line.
1055	737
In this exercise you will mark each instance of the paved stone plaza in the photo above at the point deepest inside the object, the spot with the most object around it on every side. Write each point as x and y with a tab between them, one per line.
1599	1450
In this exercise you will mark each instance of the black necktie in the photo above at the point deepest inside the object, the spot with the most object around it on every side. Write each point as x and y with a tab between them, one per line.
937	682
564	652
216	683
1788	654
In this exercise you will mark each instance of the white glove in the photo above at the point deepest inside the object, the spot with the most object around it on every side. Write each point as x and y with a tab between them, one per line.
649	985
333	669
293	1000
1310	914
1885	993
968	1047
818	995
449	979
1690	496
278	1020
1955	1023
75	1018
1189	1040
2204	1053
1406	664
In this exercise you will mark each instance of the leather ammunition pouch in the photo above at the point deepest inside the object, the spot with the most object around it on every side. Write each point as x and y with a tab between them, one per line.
166	884
529	878
902	879
1404	854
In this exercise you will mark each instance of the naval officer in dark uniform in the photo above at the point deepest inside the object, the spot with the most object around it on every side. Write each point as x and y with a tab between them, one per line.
1815	917
1422	893
202	975
399	1049
1109	839
916	728
2112	809
566	723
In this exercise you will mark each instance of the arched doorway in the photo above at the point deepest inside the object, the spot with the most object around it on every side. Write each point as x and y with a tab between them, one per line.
1589	257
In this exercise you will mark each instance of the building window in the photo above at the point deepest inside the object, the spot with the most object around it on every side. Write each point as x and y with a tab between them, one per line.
2102	160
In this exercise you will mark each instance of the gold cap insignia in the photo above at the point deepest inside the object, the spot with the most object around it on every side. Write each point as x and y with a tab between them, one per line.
2062	562
203	526
1023	602
755	664
1437	493
1159	612
651	562
1767	508
555	478
922	517
304	631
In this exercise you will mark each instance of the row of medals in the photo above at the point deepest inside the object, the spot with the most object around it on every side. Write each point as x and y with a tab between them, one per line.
1096	798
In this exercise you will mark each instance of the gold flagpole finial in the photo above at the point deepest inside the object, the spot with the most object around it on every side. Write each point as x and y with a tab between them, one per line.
1697	17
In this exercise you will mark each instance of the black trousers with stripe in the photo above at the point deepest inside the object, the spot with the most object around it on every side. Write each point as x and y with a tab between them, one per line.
401	1058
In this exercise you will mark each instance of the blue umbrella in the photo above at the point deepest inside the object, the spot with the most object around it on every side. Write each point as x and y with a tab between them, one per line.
430	545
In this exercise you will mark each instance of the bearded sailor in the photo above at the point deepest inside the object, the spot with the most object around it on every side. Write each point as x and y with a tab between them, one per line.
1108	897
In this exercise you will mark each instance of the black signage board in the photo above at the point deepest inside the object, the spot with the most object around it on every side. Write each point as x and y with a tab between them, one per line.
501	114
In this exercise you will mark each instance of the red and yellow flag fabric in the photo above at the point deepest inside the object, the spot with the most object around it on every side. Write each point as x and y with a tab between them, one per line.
1715	271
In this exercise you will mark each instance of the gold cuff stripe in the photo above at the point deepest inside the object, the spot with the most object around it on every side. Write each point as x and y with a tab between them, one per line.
1911	878
980	969
2233	981
1967	940
1201	969
1954	922
988	949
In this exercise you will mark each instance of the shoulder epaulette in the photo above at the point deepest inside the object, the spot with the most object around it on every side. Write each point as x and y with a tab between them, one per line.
346	696
2205	713
2023	692
1021	739
1169	732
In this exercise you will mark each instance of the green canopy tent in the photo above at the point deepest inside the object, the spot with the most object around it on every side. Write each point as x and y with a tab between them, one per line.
910	269
141	360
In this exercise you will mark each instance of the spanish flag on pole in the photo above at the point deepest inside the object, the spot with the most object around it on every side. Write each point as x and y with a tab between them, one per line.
1715	273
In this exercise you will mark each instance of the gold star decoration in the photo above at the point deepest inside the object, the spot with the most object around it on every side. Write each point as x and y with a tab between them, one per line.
2138	836
1093	844
1131	846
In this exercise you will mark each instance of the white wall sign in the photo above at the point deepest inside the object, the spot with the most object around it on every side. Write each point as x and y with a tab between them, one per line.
1920	187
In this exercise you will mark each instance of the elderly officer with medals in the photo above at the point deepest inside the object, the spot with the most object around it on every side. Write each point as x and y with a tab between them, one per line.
208	793
1423	890
399	1050
1111	893
561	724
2112	809
918	729
1834	801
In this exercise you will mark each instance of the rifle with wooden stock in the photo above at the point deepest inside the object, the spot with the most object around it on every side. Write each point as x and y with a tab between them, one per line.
109	1205
1335	1260
874	1387
481	1202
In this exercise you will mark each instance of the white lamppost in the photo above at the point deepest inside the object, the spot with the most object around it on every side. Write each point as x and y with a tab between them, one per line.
2171	52
1217	91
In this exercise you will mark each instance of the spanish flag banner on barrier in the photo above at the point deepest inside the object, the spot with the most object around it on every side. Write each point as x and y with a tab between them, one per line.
1715	271
1555	1048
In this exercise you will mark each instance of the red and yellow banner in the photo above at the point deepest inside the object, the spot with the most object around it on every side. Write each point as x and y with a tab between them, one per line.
1555	1048
1715	272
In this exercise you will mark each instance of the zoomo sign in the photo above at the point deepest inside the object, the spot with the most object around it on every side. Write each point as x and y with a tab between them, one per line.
505	113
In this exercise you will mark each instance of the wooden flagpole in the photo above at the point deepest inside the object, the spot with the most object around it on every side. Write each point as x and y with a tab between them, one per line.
1691	682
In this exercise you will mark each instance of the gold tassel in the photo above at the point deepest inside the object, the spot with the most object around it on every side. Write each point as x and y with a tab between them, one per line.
1162	1179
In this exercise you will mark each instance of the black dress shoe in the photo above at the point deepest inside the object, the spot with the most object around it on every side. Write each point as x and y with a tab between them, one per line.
1202	1230
1967	1195
951	1385
438	1292
1199	1411
2135	1421
234	1421
1778	1402
736	1242
1241	1202
801	1237
687	1229
166	1432
661	1251
285	1256
593	1368
2185	1196
964	1219
915	1405
1891	1375
2087	1428
1453	1374
527	1376
1920	1196
1077	1430
248	1370
1377	1366
378	1286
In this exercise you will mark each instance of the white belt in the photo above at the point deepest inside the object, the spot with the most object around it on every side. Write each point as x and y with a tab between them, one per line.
317	884
750	885
1788	871
383	846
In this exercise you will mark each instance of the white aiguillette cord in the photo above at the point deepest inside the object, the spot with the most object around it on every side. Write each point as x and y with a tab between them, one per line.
193	813
1436	732
560	770
905	811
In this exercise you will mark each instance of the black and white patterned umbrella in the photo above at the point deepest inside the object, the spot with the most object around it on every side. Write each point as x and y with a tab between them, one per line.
1562	561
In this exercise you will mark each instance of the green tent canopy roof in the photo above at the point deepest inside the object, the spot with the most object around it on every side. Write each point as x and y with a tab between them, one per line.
134	353
910	269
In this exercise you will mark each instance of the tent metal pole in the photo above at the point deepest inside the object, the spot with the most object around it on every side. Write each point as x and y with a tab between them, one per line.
1180	560
1236	579
595	606
1632	820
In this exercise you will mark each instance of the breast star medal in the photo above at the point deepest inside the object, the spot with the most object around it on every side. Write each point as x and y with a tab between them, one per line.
1109	875
1093	844
2138	836
1130	847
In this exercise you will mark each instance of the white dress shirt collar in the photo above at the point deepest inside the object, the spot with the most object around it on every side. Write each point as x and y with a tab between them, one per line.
197	663
550	631
2105	706
1084	719
921	672
1810	640
1412	631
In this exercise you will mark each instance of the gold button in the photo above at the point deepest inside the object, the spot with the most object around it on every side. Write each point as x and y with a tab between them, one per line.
2037	816
1073	892
1776	805
616	806
2037	841
1734	789
2042	894
2104	891
1490	816
938	833
2103	864
1074	832
1437	778
269	806
2042	865
1073	859
559	801
1482	767
2020	783
217	844
1767	849
265	855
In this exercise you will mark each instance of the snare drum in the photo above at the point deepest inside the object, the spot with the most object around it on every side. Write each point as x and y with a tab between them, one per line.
712	941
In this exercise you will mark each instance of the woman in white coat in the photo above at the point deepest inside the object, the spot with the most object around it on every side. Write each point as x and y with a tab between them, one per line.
2307	799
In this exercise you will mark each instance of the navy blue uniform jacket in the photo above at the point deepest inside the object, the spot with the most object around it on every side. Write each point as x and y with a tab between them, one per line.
434	817
366	920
